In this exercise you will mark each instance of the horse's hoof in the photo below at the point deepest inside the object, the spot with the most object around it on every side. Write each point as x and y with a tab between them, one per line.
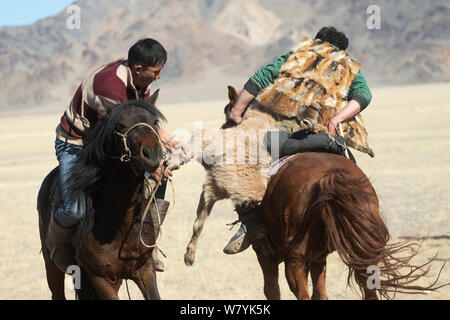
189	259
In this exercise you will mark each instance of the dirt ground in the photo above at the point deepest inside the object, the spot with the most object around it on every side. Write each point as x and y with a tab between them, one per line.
409	131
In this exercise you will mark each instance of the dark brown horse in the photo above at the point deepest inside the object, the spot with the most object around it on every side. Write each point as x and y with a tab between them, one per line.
319	203
111	249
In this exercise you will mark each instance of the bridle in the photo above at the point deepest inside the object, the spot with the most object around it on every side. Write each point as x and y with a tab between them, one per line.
126	155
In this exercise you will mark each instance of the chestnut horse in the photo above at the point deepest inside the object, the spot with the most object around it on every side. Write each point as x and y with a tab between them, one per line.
110	171
318	203
315	204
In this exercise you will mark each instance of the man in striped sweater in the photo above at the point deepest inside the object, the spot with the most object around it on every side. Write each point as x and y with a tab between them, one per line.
109	85
359	97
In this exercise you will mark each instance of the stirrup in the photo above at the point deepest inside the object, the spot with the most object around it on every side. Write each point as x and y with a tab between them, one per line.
159	265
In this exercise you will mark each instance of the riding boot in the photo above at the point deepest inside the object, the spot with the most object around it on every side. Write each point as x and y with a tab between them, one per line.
313	142
302	141
163	207
252	228
59	242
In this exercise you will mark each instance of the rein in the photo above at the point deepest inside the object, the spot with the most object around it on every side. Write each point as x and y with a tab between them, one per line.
144	215
126	157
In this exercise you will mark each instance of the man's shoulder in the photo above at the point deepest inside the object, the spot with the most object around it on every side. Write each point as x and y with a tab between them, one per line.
111	81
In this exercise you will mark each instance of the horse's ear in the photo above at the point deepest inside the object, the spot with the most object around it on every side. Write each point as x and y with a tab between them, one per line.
152	99
232	94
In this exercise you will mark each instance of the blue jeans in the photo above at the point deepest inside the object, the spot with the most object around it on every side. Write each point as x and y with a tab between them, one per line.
70	212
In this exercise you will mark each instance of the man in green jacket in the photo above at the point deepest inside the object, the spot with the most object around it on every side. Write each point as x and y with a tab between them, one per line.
359	97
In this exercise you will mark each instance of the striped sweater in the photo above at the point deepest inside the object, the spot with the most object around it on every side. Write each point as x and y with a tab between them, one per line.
103	89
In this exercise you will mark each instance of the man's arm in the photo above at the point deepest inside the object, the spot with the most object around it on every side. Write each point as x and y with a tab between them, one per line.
349	111
261	79
166	139
359	96
360	92
241	103
266	75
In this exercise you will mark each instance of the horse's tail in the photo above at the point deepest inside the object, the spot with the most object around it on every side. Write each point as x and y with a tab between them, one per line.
348	207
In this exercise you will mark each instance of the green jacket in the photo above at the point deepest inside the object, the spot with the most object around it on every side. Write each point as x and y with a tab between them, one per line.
359	90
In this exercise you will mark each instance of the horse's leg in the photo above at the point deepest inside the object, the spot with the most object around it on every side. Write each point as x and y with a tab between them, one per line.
55	277
145	279
369	294
361	279
297	278
318	276
269	266
106	290
204	208
87	290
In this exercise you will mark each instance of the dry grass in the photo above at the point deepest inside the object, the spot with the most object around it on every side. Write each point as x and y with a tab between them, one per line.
409	131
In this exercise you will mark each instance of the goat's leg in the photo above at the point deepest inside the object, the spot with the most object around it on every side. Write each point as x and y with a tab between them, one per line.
204	208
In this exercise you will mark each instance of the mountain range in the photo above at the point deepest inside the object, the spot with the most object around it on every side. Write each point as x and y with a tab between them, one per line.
213	43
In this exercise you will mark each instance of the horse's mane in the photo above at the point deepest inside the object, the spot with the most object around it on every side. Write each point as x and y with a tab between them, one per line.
99	146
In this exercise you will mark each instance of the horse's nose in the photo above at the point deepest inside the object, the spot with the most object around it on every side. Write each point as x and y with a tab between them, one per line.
151	157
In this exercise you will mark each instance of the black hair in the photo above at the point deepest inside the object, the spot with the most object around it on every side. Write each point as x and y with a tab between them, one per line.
147	52
331	35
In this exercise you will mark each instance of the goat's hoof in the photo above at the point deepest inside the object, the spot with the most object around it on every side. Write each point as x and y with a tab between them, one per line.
189	258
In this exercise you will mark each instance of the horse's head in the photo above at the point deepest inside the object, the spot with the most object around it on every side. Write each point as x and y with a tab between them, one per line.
129	134
140	143
232	95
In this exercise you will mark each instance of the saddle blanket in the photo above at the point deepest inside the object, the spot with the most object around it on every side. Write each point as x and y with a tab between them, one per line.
277	165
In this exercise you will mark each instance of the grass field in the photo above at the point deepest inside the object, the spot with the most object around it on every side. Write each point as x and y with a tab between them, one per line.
409	131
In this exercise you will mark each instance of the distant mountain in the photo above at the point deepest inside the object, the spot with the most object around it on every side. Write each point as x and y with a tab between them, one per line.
212	43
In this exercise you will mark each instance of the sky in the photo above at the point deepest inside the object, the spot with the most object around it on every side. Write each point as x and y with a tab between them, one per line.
23	12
